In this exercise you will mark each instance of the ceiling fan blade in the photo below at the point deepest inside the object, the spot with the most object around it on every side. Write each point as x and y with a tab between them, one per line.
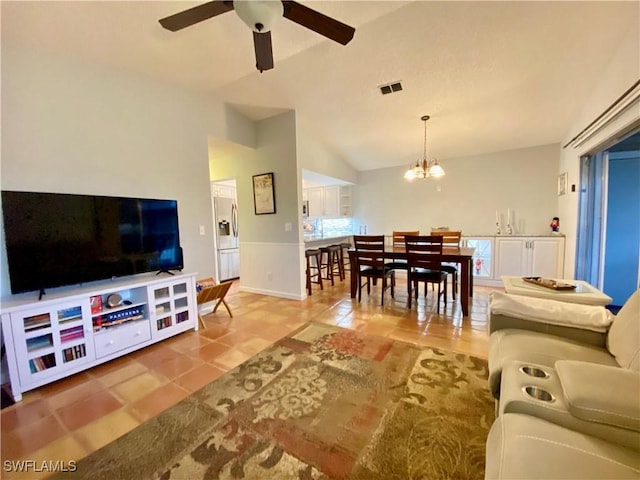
264	54
318	22
195	15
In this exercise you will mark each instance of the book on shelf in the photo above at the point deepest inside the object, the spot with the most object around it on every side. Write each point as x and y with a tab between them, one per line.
32	366
49	360
70	314
73	353
163	323
72	334
117	321
43	341
42	363
37	322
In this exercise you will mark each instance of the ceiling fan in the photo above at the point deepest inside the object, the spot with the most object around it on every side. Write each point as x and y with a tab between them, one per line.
260	16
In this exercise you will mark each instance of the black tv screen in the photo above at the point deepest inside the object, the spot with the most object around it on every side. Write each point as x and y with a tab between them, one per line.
55	239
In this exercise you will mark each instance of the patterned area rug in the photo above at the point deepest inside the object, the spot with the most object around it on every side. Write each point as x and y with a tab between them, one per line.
322	403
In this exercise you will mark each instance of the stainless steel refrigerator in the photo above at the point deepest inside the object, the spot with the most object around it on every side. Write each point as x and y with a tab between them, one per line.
227	240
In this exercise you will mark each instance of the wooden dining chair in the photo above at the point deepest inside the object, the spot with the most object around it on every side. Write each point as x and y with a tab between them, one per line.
369	250
450	238
211	291
397	241
424	255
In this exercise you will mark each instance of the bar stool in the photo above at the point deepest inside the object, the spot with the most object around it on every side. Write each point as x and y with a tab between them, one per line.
332	262
344	258
317	268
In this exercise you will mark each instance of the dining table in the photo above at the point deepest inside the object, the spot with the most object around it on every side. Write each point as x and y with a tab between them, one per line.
460	255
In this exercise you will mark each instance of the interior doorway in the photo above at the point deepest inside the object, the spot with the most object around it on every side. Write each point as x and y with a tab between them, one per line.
226	229
608	243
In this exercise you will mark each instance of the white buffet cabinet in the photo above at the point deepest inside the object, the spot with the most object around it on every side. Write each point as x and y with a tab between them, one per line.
515	255
72	328
530	256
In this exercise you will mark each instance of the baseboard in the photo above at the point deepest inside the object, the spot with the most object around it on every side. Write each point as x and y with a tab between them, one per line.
272	293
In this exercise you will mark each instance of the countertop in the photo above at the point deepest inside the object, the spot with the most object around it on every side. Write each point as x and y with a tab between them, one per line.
320	238
502	235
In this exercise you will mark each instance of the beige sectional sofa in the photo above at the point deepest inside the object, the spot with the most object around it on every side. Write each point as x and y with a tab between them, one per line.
567	389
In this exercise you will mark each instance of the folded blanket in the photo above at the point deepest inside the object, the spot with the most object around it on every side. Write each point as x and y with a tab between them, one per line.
554	312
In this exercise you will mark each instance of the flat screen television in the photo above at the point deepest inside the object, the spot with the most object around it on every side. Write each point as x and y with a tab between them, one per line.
55	239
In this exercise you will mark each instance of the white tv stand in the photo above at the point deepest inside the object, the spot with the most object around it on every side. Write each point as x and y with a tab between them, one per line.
60	335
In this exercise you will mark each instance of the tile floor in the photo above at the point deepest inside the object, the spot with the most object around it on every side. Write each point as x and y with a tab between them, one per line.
75	416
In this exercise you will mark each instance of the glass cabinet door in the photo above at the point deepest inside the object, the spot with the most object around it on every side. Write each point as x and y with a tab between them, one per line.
482	265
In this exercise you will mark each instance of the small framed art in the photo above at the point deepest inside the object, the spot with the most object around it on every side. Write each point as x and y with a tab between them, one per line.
264	198
562	183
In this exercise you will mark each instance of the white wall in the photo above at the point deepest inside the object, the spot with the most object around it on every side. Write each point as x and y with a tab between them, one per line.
77	128
623	71
467	197
270	255
314	155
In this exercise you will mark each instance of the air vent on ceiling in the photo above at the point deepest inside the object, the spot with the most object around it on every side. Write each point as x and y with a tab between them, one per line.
390	87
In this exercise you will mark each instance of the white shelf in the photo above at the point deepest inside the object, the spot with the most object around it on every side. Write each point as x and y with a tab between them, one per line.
106	311
57	358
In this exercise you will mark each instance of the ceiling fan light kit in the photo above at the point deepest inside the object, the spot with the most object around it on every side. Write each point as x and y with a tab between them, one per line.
424	168
261	16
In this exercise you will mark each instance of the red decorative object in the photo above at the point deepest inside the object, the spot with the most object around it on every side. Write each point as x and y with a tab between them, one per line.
96	304
478	265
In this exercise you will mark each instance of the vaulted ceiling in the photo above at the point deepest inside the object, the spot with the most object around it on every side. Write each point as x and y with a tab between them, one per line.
493	76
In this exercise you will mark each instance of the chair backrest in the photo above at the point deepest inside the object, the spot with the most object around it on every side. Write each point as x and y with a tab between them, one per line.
369	250
398	237
450	238
424	251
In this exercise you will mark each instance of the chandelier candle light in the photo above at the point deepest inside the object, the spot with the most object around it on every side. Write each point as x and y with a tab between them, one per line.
424	168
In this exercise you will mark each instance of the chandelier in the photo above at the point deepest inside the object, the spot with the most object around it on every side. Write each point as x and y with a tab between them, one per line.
424	168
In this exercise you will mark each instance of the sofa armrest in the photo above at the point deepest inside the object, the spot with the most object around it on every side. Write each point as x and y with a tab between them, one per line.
601	393
587	337
582	323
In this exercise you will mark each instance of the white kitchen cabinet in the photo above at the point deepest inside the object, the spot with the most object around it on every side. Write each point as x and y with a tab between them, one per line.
226	191
229	264
529	256
315	196
332	201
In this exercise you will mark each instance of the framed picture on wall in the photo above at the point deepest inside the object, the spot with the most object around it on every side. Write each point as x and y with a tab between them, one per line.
562	183
264	198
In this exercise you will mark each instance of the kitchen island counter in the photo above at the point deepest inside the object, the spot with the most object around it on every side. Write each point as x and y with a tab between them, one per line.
316	241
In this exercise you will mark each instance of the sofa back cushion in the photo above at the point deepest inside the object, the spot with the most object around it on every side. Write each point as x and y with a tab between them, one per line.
623	341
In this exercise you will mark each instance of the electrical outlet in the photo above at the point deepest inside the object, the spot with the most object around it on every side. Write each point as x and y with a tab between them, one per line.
202	230
269	276
287	227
